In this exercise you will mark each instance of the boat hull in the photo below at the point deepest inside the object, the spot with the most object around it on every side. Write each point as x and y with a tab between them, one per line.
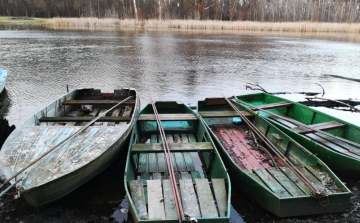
270	202
3	75
67	164
47	193
341	163
244	172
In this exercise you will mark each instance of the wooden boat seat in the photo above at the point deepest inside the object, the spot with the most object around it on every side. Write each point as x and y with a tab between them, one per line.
161	203
223	114
178	147
98	102
273	105
320	126
84	119
168	117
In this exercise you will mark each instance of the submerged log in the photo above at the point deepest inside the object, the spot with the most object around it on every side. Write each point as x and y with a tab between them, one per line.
329	104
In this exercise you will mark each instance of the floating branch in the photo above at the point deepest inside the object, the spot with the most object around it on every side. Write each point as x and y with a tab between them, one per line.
259	88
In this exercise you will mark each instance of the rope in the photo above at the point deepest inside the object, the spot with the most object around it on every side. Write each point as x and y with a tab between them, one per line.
167	152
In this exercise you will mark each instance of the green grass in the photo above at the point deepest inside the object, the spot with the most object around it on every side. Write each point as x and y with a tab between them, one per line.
28	20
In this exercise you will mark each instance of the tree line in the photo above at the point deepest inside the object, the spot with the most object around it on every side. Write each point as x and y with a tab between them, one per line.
233	10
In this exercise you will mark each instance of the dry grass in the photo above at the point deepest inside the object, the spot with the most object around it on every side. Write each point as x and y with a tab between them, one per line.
207	24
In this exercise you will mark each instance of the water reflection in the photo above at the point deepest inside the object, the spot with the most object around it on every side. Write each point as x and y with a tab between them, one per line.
178	65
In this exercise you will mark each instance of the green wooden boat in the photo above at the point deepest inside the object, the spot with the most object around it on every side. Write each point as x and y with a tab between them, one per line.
79	159
202	179
261	173
333	140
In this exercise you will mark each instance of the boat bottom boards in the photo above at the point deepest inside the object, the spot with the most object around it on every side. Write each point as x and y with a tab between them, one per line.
152	193
282	181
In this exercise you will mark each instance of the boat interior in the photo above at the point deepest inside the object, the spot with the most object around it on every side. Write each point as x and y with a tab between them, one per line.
255	159
297	116
200	176
82	106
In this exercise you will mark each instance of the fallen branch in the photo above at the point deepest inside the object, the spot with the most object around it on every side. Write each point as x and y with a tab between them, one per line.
256	89
259	88
332	103
346	78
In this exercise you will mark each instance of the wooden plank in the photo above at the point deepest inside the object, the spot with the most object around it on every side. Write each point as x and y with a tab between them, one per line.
144	177
297	181
94	112
223	114
189	162
188	198
220	195
273	105
206	199
162	165
169	139
152	162
156	200
178	147
138	197
170	208
142	166
73	115
271	183
84	119
156	176
97	102
317	127
180	162
115	113
168	117
352	149
126	114
314	181
329	144
285	182
195	175
185	175
161	162
187	156
283	121
153	138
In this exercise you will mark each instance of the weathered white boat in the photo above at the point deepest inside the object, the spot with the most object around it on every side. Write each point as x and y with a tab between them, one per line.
80	158
3	75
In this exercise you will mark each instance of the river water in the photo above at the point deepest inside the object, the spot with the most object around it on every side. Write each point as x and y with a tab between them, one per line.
177	65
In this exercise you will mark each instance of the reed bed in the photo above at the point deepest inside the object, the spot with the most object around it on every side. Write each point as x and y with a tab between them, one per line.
206	24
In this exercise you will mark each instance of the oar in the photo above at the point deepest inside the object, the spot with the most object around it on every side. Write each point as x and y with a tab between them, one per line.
298	123
61	143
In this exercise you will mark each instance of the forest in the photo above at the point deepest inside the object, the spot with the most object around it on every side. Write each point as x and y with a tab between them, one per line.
228	10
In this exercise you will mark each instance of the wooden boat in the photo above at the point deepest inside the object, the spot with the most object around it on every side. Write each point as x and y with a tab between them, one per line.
264	175
333	140
3	75
201	177
80	158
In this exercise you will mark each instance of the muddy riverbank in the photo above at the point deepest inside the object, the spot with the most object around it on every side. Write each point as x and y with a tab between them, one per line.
84	206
